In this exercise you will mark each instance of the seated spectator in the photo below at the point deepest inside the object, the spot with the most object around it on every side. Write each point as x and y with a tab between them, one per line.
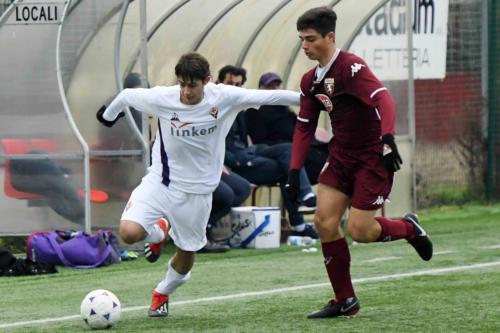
231	192
274	124
265	164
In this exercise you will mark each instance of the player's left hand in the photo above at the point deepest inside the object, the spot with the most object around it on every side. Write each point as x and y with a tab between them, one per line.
292	185
391	157
105	122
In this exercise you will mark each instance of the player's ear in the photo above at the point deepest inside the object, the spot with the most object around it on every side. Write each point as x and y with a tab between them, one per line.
331	36
207	79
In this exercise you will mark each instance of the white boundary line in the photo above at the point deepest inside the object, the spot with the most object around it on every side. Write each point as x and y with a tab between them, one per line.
275	291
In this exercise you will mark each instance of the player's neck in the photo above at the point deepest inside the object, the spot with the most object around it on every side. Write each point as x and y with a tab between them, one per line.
191	102
323	61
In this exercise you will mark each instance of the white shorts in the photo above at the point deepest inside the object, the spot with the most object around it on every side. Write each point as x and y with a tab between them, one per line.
187	213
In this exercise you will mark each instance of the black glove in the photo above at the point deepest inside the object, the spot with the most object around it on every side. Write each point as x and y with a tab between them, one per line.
391	157
107	122
292	185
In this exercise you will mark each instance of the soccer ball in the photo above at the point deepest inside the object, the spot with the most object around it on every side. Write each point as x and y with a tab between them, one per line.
100	309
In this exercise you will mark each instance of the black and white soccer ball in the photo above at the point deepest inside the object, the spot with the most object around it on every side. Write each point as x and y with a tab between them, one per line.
100	309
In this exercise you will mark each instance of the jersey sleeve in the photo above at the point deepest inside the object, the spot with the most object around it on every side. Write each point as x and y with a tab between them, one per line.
141	99
307	120
361	83
254	98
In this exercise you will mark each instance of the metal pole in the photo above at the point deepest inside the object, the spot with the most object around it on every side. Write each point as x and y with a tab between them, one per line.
493	99
411	103
76	131
144	67
119	85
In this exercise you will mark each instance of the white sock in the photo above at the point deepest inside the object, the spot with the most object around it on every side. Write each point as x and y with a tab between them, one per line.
156	235
299	228
172	281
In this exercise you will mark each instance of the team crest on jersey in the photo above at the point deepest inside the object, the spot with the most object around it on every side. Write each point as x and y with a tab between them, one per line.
325	100
214	112
329	85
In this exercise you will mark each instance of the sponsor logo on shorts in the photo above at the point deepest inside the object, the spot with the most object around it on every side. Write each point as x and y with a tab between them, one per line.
379	201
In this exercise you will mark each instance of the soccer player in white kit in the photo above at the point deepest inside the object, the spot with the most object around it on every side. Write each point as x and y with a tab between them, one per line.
194	118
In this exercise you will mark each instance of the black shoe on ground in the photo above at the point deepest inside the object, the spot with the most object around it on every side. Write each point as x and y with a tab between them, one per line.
214	247
421	242
308	206
309	230
348	307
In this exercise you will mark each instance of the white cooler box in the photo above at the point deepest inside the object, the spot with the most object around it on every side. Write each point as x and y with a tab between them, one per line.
255	227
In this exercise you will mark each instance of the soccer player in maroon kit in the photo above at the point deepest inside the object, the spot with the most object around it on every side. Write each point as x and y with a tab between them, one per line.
363	156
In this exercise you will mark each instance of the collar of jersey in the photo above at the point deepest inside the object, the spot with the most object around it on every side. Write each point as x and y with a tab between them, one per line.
321	71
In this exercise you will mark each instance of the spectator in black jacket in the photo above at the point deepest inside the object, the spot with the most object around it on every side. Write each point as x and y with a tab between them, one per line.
265	164
274	124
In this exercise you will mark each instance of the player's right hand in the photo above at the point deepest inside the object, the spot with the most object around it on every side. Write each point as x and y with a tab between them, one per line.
105	122
292	185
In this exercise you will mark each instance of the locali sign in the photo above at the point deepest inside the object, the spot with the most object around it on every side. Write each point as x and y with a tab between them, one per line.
36	12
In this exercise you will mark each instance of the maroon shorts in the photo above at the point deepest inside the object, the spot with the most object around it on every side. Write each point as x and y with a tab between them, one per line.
359	173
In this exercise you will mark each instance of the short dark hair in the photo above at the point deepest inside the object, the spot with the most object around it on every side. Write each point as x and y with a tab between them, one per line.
192	66
230	69
321	19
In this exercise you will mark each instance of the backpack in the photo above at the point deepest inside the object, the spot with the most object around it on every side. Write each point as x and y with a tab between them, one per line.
6	258
11	266
74	248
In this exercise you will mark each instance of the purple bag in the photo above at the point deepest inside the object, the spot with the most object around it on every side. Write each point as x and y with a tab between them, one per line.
75	249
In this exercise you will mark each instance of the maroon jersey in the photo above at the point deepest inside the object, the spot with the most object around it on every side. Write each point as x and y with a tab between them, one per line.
361	109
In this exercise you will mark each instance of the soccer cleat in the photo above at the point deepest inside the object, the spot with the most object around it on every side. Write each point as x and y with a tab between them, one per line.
421	241
159	305
214	247
308	204
346	308
152	251
309	231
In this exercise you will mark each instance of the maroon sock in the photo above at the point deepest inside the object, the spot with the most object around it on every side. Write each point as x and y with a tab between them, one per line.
337	263
394	229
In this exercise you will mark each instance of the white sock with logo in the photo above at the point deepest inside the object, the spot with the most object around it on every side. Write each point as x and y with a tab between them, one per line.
156	235
172	281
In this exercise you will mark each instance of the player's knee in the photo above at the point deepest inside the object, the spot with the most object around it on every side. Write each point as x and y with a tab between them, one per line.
127	236
320	222
129	233
326	226
355	232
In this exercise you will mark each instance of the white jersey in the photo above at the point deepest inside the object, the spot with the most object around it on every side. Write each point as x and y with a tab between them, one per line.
188	152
